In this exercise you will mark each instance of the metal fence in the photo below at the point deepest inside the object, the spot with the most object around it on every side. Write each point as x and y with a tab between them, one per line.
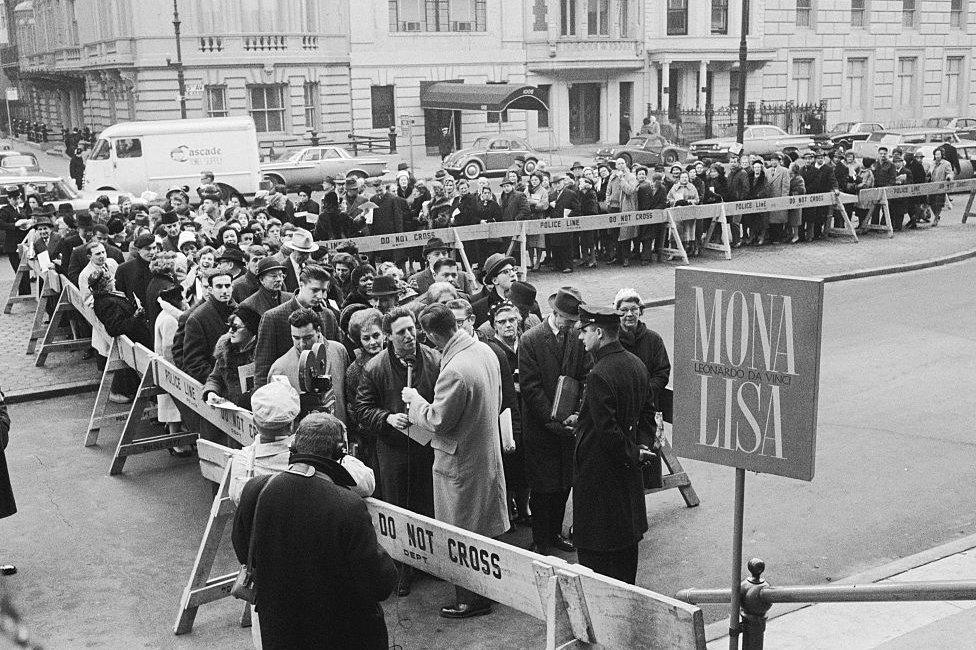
685	125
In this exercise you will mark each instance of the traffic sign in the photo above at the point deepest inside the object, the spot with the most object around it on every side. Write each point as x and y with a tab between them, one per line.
12	95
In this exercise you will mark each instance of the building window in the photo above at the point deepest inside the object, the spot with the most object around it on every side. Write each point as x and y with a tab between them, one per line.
384	113
677	17
216	101
952	84
598	17
310	94
858	13
905	83
804	13
957	14
802	83
624	18
720	16
72	23
908	13
542	115
407	16
567	17
854	86
311	16
734	85
495	117
267	107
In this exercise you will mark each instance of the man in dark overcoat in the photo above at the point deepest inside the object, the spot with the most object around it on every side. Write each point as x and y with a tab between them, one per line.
133	276
7	504
546	352
609	515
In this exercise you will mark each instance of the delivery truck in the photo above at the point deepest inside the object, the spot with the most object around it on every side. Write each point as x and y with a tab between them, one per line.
157	156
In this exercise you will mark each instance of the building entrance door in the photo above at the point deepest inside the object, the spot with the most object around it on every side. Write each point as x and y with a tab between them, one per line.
584	113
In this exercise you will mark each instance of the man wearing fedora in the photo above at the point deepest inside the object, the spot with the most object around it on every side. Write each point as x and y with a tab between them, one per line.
300	249
350	208
499	275
11	236
133	275
609	515
384	293
271	281
246	284
435	249
547	352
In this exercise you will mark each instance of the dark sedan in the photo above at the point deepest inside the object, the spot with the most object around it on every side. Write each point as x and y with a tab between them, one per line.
647	150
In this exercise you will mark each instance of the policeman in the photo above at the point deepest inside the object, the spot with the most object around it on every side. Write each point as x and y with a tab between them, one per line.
608	494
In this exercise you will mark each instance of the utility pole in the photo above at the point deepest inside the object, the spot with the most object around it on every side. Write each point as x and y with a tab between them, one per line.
740	130
178	64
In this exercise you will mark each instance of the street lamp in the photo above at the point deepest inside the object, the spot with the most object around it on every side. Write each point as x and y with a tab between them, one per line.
178	64
740	130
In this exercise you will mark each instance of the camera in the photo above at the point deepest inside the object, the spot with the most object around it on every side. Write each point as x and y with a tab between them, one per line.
317	393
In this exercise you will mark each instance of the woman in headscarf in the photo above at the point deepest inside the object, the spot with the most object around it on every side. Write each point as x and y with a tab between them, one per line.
233	350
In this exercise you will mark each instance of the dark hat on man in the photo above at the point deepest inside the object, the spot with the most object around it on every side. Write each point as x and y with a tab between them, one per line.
817	151
595	315
84	220
42	221
777	155
65	208
352	183
47	210
383	285
566	302
401	167
12	190
507	181
440	175
495	263
269	263
232	254
211	192
143	241
576	165
519	157
169	218
348	246
522	294
436	244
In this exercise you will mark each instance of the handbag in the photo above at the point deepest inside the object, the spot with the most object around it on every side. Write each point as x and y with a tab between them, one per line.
244	588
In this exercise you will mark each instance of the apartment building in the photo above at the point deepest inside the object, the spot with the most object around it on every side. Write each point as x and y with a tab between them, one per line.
339	66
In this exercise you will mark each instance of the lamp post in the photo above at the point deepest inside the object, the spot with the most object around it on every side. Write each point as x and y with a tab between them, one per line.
740	130
178	64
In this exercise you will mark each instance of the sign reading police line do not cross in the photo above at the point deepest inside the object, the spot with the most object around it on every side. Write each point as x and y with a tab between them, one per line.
747	370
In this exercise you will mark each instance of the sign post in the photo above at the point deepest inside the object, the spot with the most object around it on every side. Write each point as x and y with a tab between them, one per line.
12	96
747	377
405	124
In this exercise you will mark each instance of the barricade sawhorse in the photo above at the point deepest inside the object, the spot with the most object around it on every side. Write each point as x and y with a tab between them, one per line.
15	295
880	196
576	604
67	299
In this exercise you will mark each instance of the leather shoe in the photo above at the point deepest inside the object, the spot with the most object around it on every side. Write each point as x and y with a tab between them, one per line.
403	588
563	544
464	610
541	550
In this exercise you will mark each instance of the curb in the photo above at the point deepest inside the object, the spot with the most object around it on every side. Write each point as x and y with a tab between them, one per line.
720	629
867	273
58	390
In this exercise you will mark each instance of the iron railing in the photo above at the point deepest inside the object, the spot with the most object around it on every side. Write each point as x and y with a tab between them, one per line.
685	125
756	597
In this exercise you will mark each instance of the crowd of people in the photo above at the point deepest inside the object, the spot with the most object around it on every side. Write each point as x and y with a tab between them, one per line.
441	385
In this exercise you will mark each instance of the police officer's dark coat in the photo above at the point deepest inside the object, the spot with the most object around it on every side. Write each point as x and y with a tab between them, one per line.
7	504
608	494
541	360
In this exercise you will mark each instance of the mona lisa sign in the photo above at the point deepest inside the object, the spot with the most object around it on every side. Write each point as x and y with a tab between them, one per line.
747	370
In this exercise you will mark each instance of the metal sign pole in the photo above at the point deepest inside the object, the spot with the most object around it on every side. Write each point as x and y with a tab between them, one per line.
10	128
740	497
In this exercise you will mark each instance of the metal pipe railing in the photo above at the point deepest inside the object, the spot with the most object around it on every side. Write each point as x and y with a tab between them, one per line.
899	591
756	596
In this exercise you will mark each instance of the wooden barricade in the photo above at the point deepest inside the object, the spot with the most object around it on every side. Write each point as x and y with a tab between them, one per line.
881	196
49	288
725	245
577	605
15	296
69	301
678	477
848	230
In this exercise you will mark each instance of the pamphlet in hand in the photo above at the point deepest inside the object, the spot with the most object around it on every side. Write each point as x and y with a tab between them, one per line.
419	434
308	217
367	211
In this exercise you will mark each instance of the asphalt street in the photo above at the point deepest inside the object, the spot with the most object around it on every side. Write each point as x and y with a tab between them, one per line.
103	560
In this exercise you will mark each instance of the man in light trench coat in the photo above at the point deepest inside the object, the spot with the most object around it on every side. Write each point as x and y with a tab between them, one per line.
469	481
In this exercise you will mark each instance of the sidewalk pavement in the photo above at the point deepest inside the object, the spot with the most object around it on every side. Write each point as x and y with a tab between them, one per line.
888	625
19	378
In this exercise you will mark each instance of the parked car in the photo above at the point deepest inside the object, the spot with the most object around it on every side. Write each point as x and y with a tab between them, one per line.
490	155
759	139
55	190
964	126
15	163
845	134
965	148
309	165
869	148
644	150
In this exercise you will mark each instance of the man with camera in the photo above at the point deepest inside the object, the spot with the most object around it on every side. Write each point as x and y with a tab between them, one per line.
320	572
306	332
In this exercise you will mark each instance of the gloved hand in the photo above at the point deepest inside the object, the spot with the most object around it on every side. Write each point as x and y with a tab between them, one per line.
558	428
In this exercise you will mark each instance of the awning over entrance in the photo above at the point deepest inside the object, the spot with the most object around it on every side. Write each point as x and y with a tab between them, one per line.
494	98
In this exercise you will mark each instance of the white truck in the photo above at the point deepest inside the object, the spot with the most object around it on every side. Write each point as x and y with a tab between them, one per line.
156	156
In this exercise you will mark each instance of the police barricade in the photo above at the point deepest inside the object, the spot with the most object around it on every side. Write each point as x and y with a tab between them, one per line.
879	196
671	217
69	305
22	269
575	603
